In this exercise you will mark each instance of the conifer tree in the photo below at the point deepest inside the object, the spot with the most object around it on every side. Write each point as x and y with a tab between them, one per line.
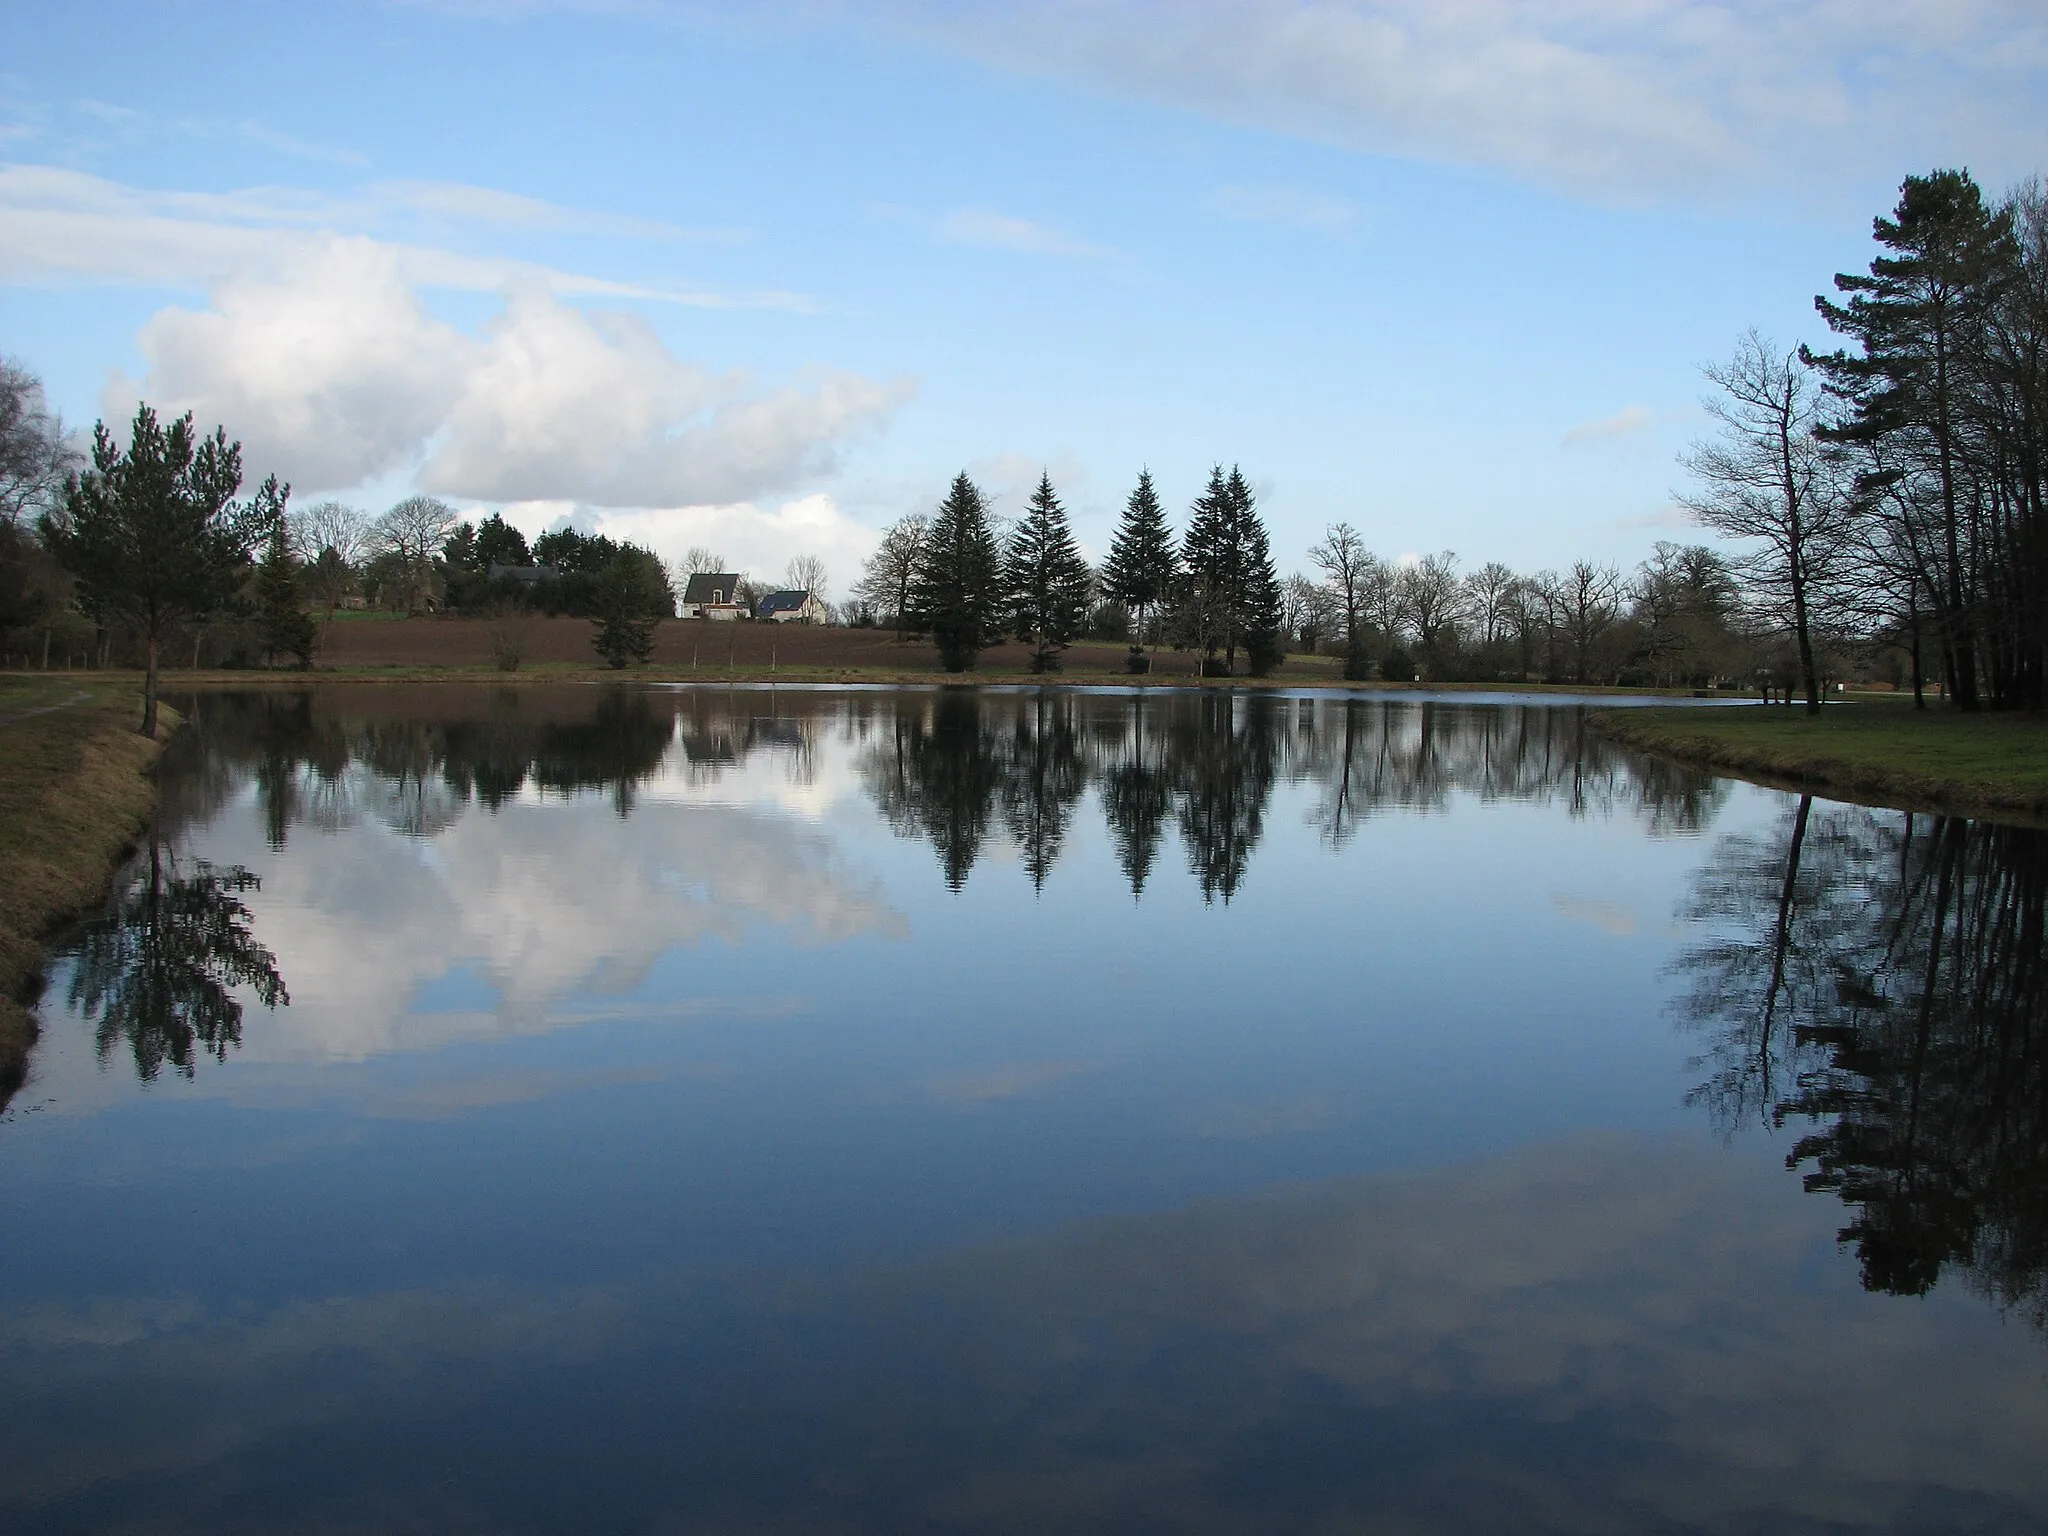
630	599
1918	317
1229	593
1142	563
1209	573
287	628
1047	579
153	532
957	598
1258	599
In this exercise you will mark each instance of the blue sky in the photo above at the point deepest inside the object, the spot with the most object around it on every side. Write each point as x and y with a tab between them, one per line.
765	277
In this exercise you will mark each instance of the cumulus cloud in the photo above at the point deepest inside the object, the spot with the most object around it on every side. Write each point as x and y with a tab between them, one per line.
331	377
752	537
1626	422
562	404
334	372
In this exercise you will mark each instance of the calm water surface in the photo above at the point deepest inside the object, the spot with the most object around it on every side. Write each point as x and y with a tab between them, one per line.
565	1109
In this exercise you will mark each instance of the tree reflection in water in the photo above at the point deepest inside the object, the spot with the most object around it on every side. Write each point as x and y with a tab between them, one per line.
1881	977
949	768
158	969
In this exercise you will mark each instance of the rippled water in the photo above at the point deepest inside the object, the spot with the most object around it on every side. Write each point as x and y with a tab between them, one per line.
781	1110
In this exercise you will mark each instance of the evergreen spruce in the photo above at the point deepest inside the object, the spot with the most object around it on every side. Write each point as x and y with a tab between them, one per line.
957	597
1209	575
1046	578
287	628
631	597
1260	615
1229	594
1142	563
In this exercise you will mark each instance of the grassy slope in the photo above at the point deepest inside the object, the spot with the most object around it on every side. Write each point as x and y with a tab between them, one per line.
1887	752
73	795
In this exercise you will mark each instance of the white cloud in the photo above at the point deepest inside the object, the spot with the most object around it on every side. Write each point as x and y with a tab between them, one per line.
334	372
1294	207
59	225
562	404
1627	422
751	537
329	378
1642	98
1001	231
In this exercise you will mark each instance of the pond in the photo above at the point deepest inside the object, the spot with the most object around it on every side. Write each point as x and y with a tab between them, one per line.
740	1110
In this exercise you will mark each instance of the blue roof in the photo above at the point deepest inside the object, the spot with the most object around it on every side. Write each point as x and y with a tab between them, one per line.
779	602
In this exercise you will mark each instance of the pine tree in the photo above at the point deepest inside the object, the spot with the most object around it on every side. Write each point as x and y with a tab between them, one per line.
630	599
287	628
1142	563
1229	594
153	532
1917	316
957	598
1209	574
1047	579
1258	601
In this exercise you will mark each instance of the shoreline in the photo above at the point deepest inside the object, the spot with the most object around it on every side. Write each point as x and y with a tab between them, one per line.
77	788
218	679
1884	755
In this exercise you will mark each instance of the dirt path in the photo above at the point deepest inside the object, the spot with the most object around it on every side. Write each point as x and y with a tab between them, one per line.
79	697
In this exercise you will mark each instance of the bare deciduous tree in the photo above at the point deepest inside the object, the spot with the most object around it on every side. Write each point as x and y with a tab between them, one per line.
413	532
34	457
886	581
1312	610
1769	479
331	525
1585	605
1344	561
1488	591
1382	601
1435	601
805	573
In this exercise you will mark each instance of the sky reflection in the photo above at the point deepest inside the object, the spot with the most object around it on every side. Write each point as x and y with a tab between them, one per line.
747	1110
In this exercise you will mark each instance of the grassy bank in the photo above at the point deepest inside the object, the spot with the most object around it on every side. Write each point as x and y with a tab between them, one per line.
74	793
1886	753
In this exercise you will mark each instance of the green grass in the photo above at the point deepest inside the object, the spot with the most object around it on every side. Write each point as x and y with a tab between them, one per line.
1881	751
74	793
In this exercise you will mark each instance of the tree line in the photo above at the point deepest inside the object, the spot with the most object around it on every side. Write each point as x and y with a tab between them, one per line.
151	542
950	576
1886	502
1894	491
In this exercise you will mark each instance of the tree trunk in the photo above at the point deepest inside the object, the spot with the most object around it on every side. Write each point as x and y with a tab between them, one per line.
1919	667
1781	941
149	685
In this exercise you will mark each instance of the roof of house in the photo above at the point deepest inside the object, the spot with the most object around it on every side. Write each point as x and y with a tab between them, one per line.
782	602
712	587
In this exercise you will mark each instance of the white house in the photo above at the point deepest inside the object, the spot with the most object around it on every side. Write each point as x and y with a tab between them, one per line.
791	608
714	595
